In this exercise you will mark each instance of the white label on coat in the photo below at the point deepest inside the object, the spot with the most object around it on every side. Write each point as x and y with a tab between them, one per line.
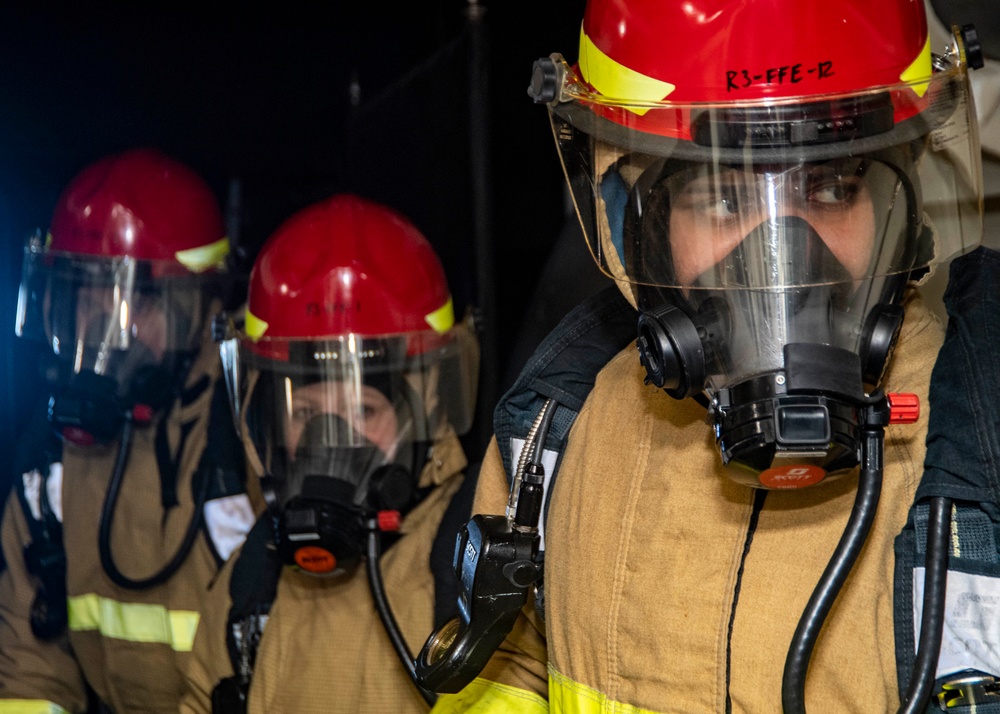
971	638
53	487
228	520
549	464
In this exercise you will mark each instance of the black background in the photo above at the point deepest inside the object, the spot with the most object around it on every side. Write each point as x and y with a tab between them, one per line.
262	95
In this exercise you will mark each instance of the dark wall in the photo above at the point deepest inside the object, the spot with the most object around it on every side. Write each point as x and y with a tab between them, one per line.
294	101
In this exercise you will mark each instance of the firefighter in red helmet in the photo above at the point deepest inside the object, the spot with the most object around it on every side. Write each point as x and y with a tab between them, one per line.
766	182
351	383
132	492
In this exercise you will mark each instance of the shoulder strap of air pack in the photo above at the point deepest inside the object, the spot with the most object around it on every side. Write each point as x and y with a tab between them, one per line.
563	368
253	586
962	463
44	556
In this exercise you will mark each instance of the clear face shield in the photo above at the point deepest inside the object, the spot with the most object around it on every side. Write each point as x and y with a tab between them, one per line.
343	425
763	244
120	329
776	237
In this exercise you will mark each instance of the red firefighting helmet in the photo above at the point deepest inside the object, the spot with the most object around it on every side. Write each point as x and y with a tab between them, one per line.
726	51
346	265
143	205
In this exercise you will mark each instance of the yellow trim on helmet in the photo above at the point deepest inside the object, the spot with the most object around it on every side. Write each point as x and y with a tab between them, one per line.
919	69
617	81
442	319
133	621
254	326
204	257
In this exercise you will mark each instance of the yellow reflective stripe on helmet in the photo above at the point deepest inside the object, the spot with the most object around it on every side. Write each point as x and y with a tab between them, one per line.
616	81
29	706
442	319
254	326
919	69
482	696
132	621
569	697
204	257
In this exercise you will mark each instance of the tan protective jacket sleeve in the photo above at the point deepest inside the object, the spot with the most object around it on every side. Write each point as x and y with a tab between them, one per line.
324	649
131	646
666	591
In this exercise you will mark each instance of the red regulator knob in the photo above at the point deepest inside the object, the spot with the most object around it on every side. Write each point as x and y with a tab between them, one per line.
904	408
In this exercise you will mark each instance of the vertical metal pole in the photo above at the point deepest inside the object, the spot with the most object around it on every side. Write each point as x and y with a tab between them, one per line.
482	211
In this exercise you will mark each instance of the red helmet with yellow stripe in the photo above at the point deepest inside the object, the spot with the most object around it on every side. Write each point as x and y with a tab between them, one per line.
143	205
646	51
346	265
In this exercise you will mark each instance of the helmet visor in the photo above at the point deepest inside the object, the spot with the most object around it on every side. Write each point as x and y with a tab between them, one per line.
343	406
112	315
667	192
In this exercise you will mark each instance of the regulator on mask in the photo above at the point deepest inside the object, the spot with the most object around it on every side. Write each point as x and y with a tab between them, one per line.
787	341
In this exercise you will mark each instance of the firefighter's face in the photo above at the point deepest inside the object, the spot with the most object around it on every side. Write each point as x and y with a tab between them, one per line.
369	413
712	213
100	312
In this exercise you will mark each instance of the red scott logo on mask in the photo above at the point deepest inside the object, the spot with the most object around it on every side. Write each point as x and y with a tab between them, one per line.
791	476
315	559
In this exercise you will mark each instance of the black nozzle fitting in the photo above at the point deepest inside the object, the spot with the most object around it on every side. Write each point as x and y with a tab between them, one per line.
544	87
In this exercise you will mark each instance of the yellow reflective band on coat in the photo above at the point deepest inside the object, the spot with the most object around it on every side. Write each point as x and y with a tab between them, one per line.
442	319
29	706
132	621
204	257
569	697
920	68
482	697
616	81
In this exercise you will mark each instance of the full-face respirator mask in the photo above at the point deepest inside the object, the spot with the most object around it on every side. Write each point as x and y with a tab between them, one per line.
341	441
784	333
122	332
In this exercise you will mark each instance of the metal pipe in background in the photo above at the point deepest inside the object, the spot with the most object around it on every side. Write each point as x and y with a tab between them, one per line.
482	218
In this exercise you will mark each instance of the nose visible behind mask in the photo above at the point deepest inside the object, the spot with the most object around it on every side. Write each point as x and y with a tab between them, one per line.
337	480
745	330
329	449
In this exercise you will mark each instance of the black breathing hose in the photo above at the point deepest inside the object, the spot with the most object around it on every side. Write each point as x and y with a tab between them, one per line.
108	515
373	568
793	682
932	619
856	532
